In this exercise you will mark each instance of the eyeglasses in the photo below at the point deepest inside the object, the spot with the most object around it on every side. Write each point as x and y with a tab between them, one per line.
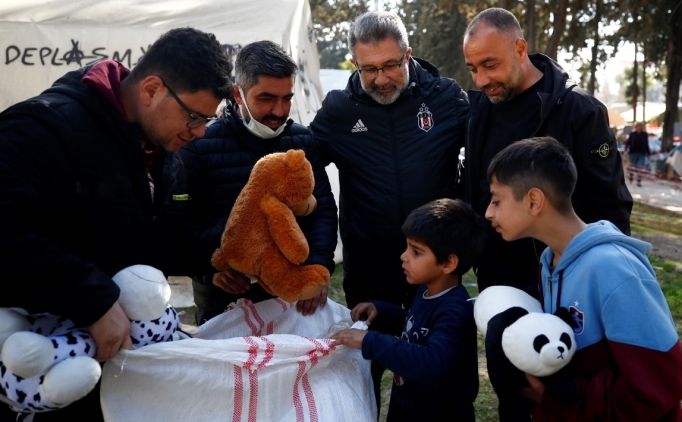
373	72
196	121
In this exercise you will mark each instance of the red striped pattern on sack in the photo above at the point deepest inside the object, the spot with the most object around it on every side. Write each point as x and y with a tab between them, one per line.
238	394
285	305
298	405
253	398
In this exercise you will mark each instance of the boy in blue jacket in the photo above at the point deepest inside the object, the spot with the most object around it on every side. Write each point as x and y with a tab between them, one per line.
434	360
628	364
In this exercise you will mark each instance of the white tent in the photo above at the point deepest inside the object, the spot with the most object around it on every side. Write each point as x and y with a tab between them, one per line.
42	39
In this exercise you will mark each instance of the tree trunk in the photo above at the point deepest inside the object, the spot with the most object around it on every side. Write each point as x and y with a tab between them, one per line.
504	4
635	88
672	89
558	28
592	84
530	23
643	83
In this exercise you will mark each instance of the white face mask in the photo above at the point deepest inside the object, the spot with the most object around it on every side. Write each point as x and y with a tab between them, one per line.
258	128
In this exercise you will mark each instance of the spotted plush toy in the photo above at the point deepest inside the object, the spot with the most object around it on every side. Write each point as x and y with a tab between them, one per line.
47	362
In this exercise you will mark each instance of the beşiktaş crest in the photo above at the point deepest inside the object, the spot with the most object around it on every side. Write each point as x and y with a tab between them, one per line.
425	118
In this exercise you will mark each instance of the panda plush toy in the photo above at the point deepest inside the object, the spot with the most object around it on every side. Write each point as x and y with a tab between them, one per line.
533	341
520	338
47	362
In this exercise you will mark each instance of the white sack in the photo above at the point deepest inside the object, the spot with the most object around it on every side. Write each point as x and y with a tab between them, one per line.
240	368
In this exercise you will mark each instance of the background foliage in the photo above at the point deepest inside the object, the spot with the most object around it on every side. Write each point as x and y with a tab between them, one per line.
595	28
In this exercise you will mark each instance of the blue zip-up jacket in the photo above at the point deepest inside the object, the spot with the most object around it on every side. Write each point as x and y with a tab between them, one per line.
391	159
628	365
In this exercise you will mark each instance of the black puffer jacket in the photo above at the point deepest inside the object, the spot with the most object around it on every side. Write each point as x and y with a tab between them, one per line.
76	204
580	122
391	159
219	165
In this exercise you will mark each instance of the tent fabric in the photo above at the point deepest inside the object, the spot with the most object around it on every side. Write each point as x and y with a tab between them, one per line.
43	39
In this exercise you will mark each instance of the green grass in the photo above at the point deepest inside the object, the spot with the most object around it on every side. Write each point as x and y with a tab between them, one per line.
646	217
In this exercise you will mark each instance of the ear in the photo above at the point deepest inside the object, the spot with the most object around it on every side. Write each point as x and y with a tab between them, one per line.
237	94
521	49
535	201
149	88
408	54
450	264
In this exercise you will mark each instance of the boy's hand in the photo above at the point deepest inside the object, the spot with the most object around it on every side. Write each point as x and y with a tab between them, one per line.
535	390
365	311
350	337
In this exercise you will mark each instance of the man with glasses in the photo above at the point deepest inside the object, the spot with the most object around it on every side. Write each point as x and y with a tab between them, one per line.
256	123
523	96
90	184
394	133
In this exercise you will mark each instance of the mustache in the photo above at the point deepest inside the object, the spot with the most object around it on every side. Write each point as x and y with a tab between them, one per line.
281	120
385	86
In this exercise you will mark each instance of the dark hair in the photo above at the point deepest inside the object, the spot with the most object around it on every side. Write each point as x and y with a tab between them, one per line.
375	26
501	19
542	163
189	60
262	58
448	227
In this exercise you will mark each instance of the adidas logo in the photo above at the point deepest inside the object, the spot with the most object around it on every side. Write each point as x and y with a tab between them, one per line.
359	127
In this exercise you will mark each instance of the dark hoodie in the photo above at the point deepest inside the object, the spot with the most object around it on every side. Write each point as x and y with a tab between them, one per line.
76	204
391	159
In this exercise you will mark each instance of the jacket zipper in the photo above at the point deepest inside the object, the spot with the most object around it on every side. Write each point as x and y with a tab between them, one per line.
549	288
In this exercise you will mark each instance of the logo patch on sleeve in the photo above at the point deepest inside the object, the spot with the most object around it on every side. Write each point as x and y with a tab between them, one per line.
598	151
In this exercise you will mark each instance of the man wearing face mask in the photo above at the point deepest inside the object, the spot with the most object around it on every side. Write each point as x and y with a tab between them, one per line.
254	124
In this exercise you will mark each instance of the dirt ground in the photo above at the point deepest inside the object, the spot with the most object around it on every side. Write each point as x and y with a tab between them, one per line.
663	245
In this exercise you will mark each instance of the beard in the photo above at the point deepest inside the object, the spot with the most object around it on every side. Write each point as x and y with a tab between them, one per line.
511	87
386	97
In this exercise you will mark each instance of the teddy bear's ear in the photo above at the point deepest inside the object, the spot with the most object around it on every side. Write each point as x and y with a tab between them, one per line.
294	158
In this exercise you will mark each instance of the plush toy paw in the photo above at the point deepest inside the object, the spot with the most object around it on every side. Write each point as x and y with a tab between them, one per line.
36	369
46	362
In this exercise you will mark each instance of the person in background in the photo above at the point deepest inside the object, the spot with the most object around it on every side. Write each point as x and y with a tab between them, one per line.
637	149
254	124
90	183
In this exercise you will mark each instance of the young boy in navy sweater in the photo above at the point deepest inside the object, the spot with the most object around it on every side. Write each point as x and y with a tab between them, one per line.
628	364
434	360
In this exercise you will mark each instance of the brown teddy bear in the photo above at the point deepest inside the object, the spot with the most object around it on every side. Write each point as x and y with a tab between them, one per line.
262	238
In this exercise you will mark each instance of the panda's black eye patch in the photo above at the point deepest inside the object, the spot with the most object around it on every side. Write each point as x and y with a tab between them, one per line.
540	341
566	339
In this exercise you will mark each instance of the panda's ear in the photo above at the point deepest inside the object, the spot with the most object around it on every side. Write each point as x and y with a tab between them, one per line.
566	316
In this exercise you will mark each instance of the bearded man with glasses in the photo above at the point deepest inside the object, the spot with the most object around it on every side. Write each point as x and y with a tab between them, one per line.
91	184
394	133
